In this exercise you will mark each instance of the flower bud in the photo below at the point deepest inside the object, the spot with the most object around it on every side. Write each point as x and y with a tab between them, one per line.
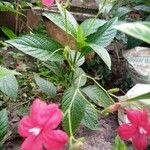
114	107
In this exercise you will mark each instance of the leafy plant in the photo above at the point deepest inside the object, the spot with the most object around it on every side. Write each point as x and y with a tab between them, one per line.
81	103
46	86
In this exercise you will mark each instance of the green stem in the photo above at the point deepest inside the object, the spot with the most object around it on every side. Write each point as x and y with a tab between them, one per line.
60	49
67	3
97	84
113	95
70	130
70	64
77	48
75	57
69	116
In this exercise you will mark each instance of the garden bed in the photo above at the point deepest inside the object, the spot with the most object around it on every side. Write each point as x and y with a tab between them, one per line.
102	137
64	81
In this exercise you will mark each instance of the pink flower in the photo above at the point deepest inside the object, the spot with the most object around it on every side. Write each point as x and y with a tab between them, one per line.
47	3
39	127
137	130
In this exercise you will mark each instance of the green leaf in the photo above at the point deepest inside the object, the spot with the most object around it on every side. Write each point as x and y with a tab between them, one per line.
90	26
26	5
119	144
4	7
24	110
133	42
80	39
140	97
122	11
3	124
38	46
1	103
46	86
8	32
77	75
4	72
79	60
90	118
142	8
56	68
59	20
147	2
104	35
113	90
70	20
73	106
9	86
56	19
86	50
139	30
98	95
103	54
106	8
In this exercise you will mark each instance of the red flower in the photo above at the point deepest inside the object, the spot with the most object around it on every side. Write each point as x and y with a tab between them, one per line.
47	2
137	130
39	127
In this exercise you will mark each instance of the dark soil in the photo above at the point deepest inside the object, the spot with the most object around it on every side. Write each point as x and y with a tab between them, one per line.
13	145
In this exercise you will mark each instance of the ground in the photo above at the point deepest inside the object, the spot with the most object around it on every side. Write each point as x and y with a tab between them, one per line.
103	138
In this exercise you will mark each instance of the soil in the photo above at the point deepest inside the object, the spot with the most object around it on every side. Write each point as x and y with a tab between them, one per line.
103	138
13	145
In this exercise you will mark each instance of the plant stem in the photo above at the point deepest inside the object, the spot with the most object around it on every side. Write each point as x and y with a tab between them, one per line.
70	129
16	17
69	114
97	84
113	95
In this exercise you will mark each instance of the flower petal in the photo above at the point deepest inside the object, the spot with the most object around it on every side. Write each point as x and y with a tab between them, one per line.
47	2
144	117
137	117
45	116
37	107
24	126
148	129
54	140
32	143
54	116
140	141
126	131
